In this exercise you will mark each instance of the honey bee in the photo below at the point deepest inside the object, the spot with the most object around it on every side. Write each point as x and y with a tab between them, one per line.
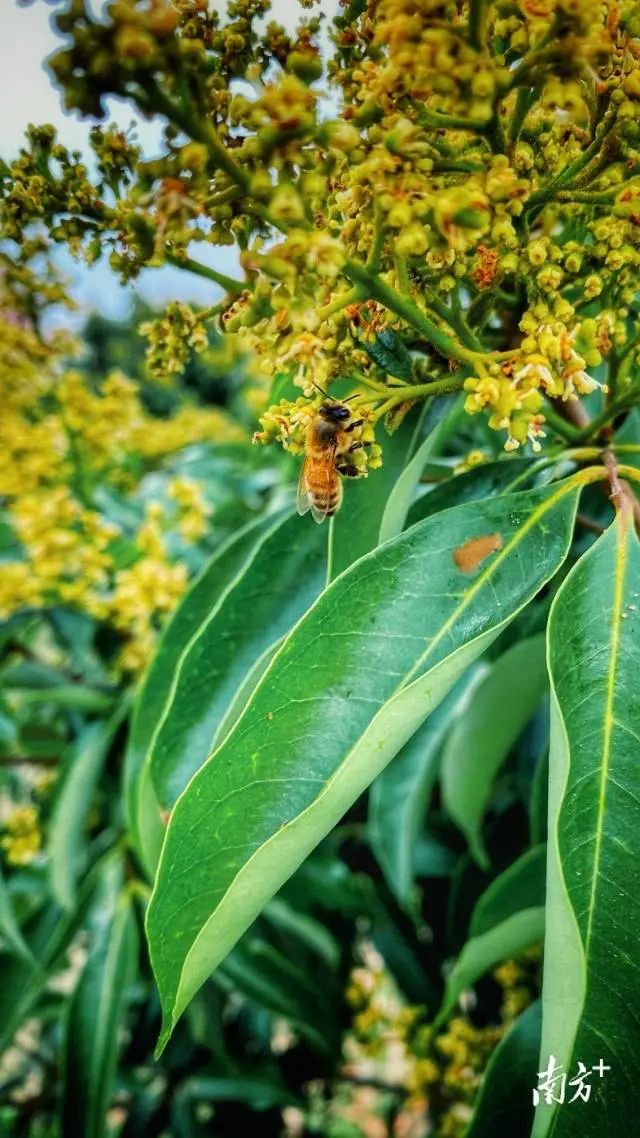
328	445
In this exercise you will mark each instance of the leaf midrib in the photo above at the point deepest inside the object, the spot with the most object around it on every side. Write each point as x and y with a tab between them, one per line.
622	551
486	574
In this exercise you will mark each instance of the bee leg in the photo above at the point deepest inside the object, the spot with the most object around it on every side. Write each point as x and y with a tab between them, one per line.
347	470
352	426
358	445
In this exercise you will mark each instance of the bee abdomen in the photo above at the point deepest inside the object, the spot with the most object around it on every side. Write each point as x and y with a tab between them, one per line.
325	503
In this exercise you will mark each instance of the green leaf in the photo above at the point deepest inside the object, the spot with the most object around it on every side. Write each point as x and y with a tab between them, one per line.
521	886
90	1045
399	796
84	764
277	982
484	481
22	984
539	800
347	689
439	418
504	1104
72	697
9	928
390	353
48	934
241	697
509	938
255	1091
433	858
281	575
311	934
31	674
480	741
206	596
591	987
355	530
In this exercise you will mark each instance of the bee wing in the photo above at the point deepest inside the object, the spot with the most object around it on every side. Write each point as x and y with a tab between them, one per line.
303	500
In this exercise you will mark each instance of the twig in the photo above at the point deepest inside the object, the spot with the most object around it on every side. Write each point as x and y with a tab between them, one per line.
371	1081
617	488
589	524
622	494
29	760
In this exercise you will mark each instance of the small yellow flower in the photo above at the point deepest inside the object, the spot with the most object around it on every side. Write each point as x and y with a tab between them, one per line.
23	838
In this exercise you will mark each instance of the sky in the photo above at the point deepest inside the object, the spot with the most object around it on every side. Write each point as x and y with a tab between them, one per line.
27	95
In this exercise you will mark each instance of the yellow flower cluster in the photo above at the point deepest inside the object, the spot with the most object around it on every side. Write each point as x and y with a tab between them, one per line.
63	440
188	425
552	361
472	187
172	338
144	594
100	425
22	838
66	547
441	1072
69	561
193	510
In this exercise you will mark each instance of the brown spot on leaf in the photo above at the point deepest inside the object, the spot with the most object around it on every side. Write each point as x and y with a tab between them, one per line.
470	556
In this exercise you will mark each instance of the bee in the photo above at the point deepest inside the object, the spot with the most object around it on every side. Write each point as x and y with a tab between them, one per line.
328	445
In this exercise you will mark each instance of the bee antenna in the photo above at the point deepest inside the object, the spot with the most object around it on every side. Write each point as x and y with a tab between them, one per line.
321	389
350	397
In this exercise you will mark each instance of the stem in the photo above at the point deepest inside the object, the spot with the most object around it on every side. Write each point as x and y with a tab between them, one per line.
340	302
199	129
630	472
366	381
589	524
223	197
454	122
560	425
408	310
524	102
455	321
477	13
542	463
587	197
373	260
602	420
200	270
81	477
426	390
402	274
29	760
622	495
617	489
545	193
